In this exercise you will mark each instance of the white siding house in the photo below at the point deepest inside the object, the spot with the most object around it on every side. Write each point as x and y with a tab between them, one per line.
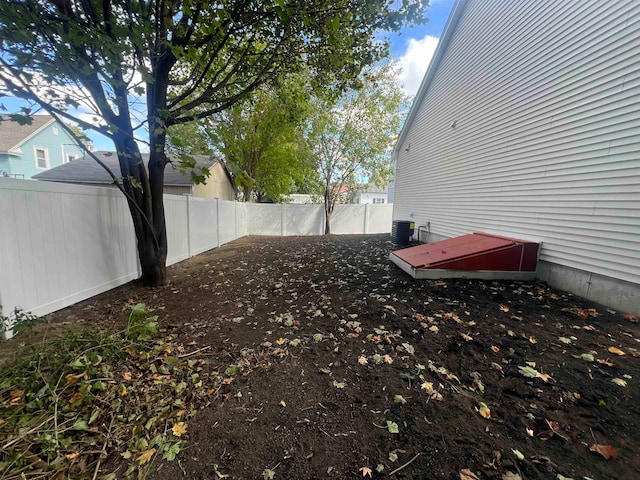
527	124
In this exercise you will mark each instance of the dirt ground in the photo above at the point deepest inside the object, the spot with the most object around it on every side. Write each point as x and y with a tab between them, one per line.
336	364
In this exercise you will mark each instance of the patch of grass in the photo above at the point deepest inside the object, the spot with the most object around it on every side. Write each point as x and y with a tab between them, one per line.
90	399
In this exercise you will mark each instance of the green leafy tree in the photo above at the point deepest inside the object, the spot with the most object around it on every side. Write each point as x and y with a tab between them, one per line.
351	135
262	139
141	65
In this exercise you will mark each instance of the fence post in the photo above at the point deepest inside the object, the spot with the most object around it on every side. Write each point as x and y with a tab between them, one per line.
218	220
282	229
366	218
188	225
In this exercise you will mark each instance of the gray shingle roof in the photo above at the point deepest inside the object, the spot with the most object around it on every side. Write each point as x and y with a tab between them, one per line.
87	170
12	134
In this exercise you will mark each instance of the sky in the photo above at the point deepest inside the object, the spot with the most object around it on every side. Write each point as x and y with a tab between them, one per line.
412	48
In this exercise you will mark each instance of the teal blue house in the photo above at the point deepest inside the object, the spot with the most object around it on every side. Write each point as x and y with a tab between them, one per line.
26	150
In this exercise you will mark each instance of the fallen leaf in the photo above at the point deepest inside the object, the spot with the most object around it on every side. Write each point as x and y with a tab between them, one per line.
529	432
126	376
616	351
73	378
392	427
518	454
409	348
281	341
466	337
620	382
466	474
393	456
72	456
587	357
399	399
607	451
565	340
268	474
533	373
146	456
339	384
282	403
14	397
504	308
393	309
533	340
366	471
605	362
427	386
511	476
433	329
484	410
179	429
495	349
362	360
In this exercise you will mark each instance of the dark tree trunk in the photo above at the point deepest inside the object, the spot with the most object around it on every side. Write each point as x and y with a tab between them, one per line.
327	222
328	210
144	187
153	263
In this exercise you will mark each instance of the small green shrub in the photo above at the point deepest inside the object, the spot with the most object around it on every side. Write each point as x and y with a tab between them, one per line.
20	321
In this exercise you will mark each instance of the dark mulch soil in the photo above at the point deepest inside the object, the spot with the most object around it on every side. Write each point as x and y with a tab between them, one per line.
322	342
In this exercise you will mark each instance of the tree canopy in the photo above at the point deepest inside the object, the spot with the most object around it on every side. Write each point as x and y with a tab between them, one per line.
262	138
125	67
351	135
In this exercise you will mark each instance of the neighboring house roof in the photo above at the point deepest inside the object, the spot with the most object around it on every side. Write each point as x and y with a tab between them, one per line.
452	22
87	170
13	134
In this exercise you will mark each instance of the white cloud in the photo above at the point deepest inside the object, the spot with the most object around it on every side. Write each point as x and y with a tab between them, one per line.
415	61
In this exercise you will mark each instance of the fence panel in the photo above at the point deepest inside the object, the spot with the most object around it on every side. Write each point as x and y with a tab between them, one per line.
380	218
264	219
241	220
61	244
227	221
303	219
203	224
175	212
348	219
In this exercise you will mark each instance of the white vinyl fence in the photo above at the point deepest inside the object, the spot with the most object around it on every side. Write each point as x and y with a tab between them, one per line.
61	243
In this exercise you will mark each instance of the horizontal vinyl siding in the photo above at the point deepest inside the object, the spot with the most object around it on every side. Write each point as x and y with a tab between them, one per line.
544	99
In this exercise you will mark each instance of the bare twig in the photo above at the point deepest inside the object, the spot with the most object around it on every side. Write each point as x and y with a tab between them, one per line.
195	352
405	465
24	435
325	433
184	472
553	430
104	449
